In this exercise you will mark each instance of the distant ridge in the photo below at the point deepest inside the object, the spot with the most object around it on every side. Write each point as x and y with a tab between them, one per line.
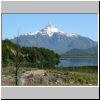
93	50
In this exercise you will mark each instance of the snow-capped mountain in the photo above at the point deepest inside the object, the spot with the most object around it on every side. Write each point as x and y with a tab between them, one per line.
52	38
50	30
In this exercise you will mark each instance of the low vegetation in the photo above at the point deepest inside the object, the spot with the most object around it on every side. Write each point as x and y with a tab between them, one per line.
77	76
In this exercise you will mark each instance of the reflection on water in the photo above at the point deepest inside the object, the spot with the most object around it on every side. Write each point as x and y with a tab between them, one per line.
68	62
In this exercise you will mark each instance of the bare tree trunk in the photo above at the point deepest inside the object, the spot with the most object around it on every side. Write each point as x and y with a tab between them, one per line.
17	63
16	75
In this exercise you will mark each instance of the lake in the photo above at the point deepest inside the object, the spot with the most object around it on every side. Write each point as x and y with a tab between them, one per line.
71	62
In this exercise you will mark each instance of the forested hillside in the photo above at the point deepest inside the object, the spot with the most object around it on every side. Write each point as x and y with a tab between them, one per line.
37	57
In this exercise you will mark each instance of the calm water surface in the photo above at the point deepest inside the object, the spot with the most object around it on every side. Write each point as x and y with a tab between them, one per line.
71	62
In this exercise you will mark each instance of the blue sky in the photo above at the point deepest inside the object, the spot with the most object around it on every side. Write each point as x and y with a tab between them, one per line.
83	24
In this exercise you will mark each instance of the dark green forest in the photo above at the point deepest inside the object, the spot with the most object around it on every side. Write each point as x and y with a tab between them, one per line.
28	56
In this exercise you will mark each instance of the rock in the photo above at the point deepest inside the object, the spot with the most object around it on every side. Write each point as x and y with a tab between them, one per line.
31	77
65	79
44	80
36	72
45	74
52	79
8	81
59	81
37	79
90	84
25	79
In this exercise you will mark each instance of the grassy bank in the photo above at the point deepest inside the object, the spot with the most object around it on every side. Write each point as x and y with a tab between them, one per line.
78	75
88	69
72	76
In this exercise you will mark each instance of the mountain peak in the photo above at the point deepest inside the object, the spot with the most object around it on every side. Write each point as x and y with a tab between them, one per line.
49	29
50	25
